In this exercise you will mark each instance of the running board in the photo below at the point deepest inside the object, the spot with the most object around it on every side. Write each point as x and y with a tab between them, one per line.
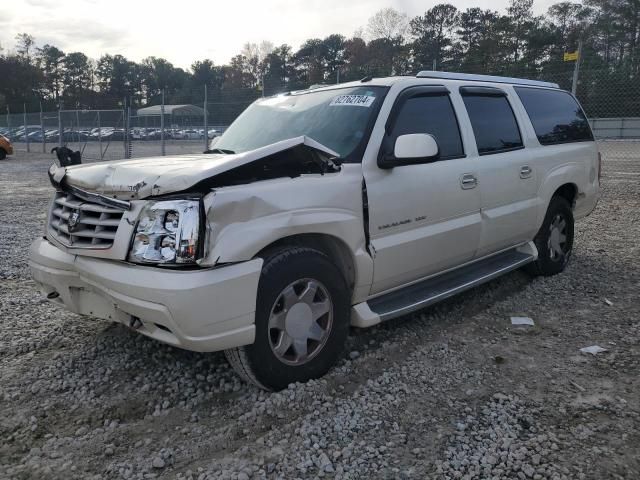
434	289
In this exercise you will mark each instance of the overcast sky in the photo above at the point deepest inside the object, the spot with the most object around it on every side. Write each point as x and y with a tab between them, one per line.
188	30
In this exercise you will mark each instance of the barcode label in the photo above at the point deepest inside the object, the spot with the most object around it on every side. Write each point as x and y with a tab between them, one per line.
353	100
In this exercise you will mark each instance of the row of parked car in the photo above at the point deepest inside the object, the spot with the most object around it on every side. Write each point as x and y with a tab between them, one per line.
36	134
172	133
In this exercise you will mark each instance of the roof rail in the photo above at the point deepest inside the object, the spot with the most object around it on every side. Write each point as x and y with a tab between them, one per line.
484	78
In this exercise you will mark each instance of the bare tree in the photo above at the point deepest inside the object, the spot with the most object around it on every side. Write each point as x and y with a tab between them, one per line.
24	42
255	57
387	23
257	52
358	33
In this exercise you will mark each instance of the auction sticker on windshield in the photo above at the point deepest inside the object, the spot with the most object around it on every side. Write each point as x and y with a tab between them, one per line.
353	100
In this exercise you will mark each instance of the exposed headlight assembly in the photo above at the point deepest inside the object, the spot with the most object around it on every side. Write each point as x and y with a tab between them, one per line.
167	233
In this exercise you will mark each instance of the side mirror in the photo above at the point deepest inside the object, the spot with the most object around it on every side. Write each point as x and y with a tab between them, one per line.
415	146
410	149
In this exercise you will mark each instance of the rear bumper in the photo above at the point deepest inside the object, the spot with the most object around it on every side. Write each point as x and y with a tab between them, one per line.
201	310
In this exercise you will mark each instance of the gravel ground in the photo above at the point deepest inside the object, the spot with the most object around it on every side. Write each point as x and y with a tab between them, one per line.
452	392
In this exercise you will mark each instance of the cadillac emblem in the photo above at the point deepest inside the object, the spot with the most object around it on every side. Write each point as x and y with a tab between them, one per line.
74	220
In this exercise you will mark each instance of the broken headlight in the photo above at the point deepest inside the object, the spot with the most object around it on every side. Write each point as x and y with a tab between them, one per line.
167	233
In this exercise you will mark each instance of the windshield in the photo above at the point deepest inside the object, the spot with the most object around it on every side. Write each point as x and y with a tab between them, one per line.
339	119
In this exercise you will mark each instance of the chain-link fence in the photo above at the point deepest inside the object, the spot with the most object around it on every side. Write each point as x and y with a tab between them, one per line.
610	98
98	134
128	132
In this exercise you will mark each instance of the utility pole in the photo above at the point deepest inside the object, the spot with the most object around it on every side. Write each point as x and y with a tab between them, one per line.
127	132
60	132
124	125
206	119
100	135
44	139
162	125
26	130
576	69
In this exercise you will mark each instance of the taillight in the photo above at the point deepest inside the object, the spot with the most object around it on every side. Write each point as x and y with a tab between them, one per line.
599	166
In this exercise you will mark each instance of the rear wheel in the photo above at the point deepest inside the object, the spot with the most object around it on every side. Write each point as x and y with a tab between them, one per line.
302	320
554	240
3	154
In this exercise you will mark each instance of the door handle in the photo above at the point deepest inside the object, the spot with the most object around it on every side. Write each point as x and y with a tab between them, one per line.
525	171
468	181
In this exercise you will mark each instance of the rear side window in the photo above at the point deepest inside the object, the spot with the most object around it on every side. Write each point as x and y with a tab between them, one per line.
555	115
494	124
431	114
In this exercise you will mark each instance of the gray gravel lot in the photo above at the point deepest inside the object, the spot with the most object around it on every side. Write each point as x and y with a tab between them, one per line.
452	392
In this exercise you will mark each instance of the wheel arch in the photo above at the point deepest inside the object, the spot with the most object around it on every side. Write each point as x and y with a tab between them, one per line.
564	189
563	181
335	248
568	191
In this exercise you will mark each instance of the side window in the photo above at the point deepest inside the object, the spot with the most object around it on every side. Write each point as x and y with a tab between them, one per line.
493	121
431	114
555	115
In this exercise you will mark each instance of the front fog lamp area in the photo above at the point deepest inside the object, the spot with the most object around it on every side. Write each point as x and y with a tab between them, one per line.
167	233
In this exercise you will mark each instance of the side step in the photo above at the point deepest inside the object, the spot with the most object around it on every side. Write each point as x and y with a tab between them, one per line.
432	290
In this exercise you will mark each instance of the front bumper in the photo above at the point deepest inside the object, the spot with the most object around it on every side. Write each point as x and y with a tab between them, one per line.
202	310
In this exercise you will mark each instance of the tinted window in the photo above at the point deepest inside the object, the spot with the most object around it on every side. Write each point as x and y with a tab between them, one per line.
555	115
431	114
494	124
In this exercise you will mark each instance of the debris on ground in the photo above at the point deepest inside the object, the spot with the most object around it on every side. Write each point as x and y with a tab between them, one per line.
579	387
593	349
522	321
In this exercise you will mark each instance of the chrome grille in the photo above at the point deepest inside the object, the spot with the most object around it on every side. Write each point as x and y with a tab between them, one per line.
80	224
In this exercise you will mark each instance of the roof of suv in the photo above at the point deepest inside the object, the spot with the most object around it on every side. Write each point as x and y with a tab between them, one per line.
442	77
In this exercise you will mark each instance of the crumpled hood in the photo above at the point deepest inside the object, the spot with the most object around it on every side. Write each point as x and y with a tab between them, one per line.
145	177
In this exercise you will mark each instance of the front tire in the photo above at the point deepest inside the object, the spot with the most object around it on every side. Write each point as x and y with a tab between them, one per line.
554	240
3	154
302	320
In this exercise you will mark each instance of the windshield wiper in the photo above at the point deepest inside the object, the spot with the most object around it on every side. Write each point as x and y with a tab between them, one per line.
219	150
326	164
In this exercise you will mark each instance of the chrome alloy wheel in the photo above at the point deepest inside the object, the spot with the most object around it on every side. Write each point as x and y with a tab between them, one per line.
557	243
300	321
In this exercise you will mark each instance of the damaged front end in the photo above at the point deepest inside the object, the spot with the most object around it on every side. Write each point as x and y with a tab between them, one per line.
152	177
57	179
162	210
292	162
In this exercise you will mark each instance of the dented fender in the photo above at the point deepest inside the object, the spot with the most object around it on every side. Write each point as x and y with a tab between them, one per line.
243	220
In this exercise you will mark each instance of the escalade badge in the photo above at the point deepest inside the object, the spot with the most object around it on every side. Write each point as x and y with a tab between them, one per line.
74	220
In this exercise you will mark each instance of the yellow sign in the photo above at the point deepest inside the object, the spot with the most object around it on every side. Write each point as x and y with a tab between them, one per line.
570	56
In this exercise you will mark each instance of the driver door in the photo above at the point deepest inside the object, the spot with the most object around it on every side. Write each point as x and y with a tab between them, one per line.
423	218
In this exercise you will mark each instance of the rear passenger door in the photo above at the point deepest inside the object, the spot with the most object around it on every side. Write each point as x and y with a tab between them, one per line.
506	175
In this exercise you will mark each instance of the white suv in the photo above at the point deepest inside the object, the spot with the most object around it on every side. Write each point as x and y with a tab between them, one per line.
323	209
